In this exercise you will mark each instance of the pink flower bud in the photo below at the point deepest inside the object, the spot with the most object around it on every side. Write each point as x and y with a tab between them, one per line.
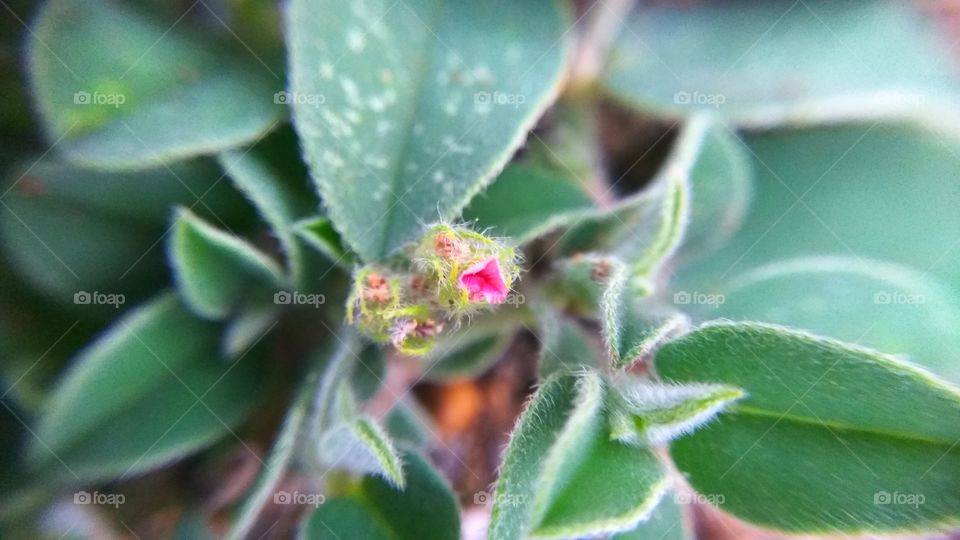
484	282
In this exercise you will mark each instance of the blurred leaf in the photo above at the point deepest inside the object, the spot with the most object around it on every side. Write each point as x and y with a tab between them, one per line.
631	331
281	457
117	89
426	508
564	346
469	351
342	438
369	371
278	191
318	233
526	202
721	188
885	306
769	63
247	329
215	270
406	112
824	426
648	413
149	391
408	423
67	230
562	475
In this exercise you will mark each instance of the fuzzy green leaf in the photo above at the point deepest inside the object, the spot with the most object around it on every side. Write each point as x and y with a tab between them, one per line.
564	346
149	391
830	438
665	523
426	508
342	438
468	352
247	329
119	89
215	270
563	476
630	332
644	412
769	63
407	111
526	202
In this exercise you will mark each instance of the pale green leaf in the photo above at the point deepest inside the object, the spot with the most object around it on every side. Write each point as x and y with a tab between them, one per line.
118	89
318	233
830	438
407	111
564	345
526	202
149	391
770	63
214	270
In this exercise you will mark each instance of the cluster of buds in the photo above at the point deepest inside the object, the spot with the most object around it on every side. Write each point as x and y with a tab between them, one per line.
456	272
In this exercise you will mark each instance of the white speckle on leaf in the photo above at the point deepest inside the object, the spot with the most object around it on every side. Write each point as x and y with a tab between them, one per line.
383	126
454	148
352	116
376	104
389	97
351	91
452	104
438	177
483	75
356	41
483	108
377	162
326	70
332	159
337	126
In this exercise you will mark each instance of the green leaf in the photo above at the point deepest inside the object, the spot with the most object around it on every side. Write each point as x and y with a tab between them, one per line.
648	413
426	508
118	89
467	352
769	63
830	438
369	371
721	188
67	229
247	329
564	346
881	305
147	392
342	438
632	331
318	233
406	112
665	523
563	476
215	270
281	458
281	195
526	202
